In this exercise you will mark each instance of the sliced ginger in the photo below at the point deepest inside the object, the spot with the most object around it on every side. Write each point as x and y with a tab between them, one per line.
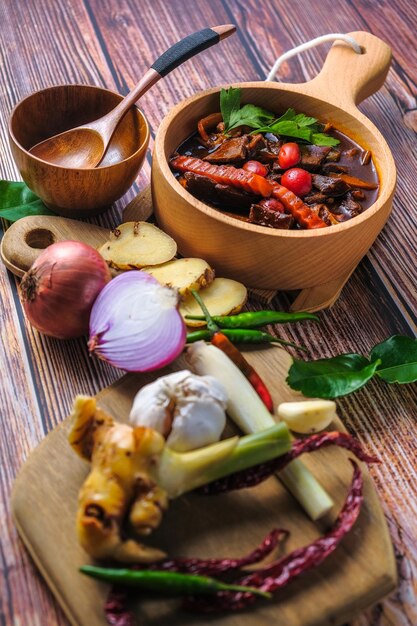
134	245
223	297
183	274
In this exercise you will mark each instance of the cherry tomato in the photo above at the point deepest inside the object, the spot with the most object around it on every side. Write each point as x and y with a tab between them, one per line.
256	168
297	180
289	155
272	204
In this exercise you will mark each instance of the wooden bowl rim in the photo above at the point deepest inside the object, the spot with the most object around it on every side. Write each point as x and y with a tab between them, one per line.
143	145
301	89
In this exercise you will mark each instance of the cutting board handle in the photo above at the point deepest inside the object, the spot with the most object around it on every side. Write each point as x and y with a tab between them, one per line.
24	241
346	77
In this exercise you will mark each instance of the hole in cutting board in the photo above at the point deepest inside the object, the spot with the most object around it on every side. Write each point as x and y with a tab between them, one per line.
39	238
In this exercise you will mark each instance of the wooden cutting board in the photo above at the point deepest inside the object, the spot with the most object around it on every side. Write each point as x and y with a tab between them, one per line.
358	574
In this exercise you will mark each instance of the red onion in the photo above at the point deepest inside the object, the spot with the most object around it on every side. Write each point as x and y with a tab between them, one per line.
135	324
59	290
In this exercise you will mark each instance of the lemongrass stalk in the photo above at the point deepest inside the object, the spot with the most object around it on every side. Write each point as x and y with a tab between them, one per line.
251	415
179	472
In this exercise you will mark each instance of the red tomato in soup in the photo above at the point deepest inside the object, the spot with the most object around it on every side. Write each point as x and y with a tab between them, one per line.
272	204
256	168
297	180
289	155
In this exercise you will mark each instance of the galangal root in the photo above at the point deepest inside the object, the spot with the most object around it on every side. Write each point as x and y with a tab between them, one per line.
119	486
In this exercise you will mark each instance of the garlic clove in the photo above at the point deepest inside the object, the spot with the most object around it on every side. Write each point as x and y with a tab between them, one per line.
308	416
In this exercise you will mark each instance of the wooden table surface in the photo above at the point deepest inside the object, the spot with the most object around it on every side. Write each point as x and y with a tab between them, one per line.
110	43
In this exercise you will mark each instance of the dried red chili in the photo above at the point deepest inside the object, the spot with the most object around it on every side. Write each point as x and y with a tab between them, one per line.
280	573
255	475
115	608
274	576
212	567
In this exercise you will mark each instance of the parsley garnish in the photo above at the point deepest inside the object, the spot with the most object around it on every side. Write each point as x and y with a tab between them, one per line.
291	124
248	115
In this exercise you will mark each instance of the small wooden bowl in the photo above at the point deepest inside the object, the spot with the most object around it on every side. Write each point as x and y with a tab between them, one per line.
318	262
76	192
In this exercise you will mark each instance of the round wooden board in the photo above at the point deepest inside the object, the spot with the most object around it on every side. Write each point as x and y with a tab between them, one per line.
358	574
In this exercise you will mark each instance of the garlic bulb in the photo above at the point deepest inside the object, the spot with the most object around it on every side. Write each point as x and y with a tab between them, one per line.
307	416
188	410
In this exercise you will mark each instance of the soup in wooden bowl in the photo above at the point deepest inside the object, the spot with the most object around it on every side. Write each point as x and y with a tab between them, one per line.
319	260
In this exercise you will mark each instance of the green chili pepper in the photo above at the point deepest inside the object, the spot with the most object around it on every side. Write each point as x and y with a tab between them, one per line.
255	319
166	582
242	335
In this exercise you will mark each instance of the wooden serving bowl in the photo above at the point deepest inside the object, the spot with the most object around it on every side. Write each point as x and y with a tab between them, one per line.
318	262
68	191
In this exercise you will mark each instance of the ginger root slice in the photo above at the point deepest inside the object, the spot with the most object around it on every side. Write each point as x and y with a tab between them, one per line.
118	485
134	245
222	297
183	274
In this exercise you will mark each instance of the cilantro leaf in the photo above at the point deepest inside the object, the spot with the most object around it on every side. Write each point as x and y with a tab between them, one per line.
234	116
303	120
322	139
229	104
17	201
290	128
250	115
290	124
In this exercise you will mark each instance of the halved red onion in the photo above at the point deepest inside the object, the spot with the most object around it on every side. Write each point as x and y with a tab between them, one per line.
135	324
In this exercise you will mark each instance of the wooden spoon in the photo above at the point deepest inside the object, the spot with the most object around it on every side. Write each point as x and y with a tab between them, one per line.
85	146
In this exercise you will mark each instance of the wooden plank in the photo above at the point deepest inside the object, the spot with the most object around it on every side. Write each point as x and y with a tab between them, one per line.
327	596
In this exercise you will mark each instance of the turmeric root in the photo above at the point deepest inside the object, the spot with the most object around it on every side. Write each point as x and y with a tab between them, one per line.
118	486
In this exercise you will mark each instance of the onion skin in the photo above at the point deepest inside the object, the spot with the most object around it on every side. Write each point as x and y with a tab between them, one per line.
135	324
60	288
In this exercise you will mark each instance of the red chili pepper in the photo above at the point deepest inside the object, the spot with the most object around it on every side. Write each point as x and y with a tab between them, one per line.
255	475
220	340
213	567
225	345
298	209
253	183
224	174
280	573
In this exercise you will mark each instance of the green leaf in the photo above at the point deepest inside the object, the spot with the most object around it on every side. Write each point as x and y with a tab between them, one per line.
331	378
290	124
17	201
398	359
250	115
322	139
291	129
303	120
229	104
289	114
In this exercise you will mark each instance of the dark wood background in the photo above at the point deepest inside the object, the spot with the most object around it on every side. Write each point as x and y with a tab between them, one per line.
110	43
